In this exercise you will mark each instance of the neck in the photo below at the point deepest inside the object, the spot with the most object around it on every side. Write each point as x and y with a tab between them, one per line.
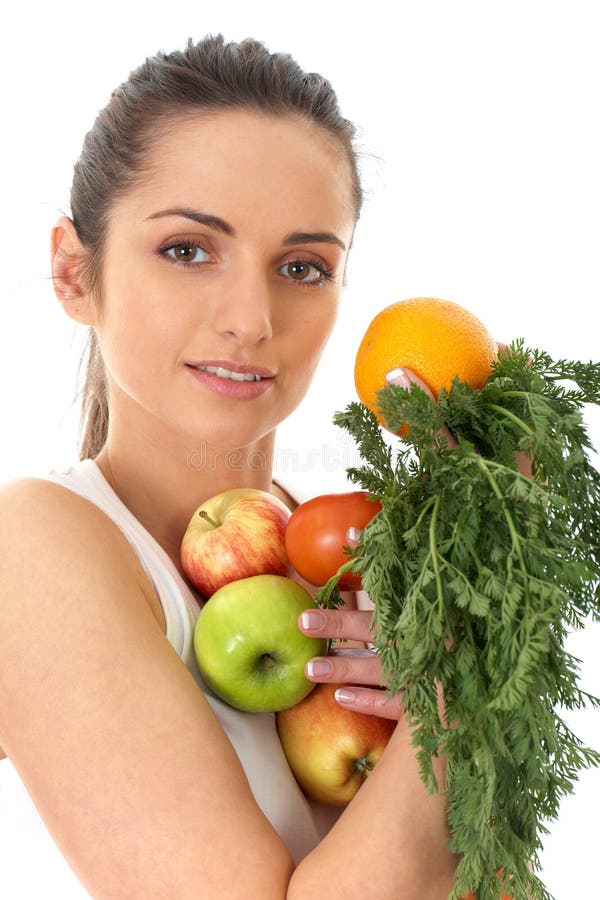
163	484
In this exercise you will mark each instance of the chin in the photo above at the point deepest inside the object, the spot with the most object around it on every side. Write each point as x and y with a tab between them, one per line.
226	429
215	448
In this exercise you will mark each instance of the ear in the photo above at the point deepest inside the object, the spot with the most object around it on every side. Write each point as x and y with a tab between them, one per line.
67	259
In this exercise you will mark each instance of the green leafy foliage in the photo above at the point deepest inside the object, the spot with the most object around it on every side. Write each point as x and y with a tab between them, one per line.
477	573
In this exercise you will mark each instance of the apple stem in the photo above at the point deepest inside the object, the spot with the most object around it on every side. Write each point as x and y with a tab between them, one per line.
205	515
363	765
268	660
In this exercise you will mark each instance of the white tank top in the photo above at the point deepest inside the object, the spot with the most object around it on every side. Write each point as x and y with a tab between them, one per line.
30	864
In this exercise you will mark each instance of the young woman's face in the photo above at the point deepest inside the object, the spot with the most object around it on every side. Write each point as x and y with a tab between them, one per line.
227	259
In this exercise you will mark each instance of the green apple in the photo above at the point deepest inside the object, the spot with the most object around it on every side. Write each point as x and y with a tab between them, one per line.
331	750
248	647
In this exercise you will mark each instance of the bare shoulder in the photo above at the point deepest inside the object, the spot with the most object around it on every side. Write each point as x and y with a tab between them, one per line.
48	531
63	563
32	507
99	713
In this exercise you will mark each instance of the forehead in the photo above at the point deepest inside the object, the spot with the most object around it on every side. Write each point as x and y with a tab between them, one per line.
247	165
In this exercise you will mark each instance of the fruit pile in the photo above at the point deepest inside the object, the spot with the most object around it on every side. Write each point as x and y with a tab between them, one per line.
476	537
246	553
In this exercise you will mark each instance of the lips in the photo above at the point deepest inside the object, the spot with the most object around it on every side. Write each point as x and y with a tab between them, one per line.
237	381
235	371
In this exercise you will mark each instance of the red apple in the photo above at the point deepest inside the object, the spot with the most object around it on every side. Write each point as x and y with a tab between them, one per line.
236	534
331	750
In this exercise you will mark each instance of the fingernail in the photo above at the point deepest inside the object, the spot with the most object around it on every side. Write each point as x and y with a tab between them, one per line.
318	667
312	620
353	534
398	377
343	695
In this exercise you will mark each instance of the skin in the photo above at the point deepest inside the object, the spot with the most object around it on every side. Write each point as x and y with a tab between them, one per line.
232	302
267	178
249	312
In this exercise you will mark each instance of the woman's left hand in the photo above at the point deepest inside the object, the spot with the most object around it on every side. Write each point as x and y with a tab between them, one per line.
359	669
404	377
353	667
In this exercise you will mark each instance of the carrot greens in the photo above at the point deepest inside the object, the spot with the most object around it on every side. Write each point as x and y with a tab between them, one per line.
477	573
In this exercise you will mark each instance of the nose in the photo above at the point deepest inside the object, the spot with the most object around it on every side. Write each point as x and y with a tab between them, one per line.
242	311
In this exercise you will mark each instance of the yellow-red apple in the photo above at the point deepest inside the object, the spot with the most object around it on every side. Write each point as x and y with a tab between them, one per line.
331	750
236	534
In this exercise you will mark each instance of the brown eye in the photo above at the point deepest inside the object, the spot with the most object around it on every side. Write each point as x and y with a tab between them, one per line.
299	270
304	272
185	253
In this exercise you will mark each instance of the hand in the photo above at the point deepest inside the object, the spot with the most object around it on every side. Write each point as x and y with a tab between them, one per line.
354	666
403	378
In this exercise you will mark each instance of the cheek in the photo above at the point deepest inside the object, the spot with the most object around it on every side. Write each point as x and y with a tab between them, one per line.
307	344
137	339
320	325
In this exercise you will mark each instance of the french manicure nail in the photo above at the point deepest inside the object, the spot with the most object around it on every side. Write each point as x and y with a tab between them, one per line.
343	695
312	620
316	667
398	377
353	534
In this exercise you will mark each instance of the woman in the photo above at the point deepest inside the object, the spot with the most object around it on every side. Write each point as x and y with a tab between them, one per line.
213	208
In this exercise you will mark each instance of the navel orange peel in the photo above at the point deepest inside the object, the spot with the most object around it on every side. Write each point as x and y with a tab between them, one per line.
434	338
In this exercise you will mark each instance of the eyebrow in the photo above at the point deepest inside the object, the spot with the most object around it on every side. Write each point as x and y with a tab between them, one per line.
218	224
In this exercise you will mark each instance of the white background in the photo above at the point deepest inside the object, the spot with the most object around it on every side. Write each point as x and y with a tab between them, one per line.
479	122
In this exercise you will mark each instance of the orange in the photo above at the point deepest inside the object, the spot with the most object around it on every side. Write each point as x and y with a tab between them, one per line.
436	339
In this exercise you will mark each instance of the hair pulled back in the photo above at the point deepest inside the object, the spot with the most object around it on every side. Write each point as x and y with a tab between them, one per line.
209	76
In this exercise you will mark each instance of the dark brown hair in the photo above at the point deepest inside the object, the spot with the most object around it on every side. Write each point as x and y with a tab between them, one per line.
211	75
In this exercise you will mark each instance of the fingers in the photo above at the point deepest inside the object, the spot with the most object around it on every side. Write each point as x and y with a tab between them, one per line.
353	537
403	378
361	666
351	668
349	624
373	703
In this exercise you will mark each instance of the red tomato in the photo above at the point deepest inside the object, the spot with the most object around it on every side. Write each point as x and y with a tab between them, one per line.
317	532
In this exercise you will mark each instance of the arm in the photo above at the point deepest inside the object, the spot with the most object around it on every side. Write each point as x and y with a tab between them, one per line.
390	841
129	768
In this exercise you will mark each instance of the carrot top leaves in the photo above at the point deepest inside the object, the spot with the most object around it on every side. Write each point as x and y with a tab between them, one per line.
471	555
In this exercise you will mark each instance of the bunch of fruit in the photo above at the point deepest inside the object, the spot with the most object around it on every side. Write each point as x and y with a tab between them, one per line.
245	551
479	549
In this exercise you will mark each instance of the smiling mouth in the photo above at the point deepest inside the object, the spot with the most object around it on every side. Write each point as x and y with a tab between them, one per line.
220	372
